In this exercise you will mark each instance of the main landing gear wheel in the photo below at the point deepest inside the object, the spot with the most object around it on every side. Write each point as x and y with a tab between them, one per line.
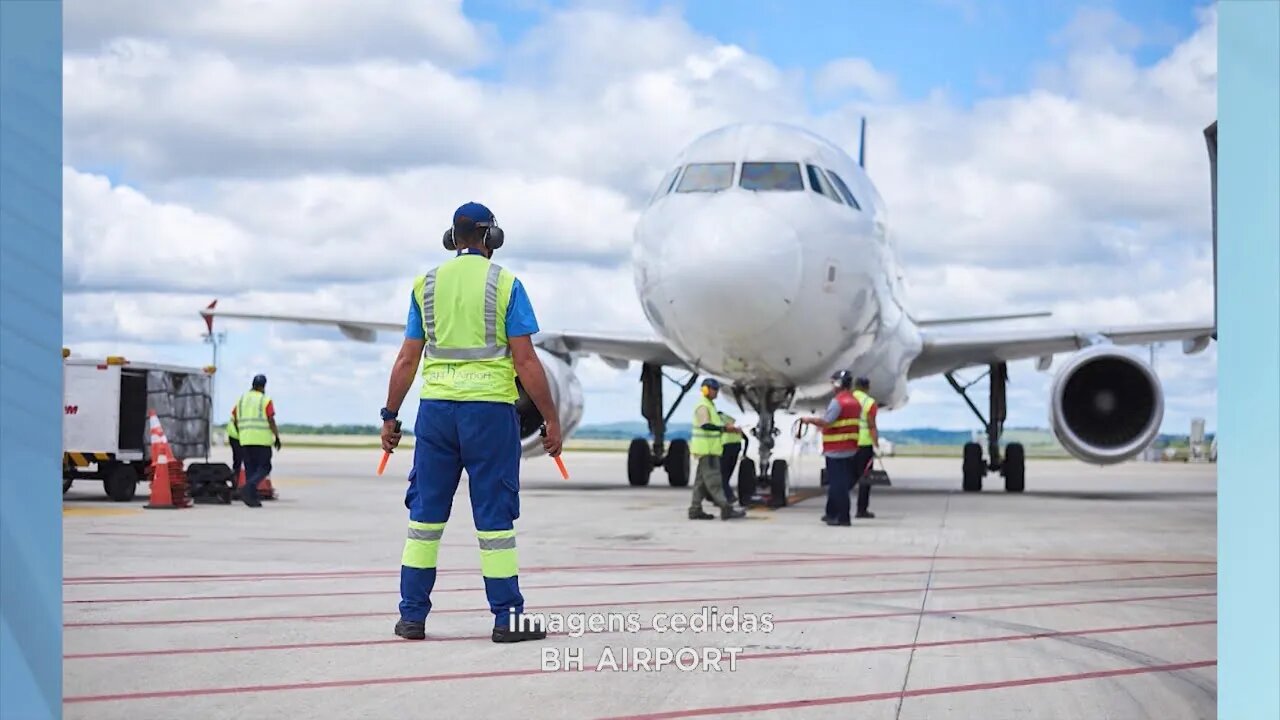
639	462
644	456
1014	468
677	463
973	468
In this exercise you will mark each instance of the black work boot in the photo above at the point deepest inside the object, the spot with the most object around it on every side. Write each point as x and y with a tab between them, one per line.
526	628
411	630
729	513
865	514
701	515
250	496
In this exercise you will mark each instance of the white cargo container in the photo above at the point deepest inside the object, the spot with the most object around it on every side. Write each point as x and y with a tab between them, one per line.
106	404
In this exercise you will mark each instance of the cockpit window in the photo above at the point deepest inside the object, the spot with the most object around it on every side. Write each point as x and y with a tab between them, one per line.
819	184
771	176
706	177
664	187
844	190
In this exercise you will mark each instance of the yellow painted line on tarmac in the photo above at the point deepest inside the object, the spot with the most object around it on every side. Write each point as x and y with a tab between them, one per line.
98	511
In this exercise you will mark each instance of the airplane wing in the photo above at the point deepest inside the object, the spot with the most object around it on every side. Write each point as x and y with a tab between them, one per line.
944	353
614	349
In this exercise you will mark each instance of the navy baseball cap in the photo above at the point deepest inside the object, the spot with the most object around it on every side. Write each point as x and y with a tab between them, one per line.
711	383
473	213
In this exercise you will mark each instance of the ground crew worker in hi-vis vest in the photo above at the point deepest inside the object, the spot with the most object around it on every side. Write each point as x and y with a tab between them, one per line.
706	447
254	421
840	425
868	441
233	439
470	322
731	447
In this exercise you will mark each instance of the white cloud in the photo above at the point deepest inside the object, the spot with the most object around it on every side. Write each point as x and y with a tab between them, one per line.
854	74
310	30
321	181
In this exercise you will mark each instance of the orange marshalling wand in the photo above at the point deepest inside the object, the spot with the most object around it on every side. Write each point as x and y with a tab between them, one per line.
386	455
559	463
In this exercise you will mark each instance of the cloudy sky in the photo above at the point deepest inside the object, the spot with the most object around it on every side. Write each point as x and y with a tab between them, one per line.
305	156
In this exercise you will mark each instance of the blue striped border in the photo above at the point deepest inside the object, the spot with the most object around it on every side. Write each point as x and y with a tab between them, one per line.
30	365
1248	358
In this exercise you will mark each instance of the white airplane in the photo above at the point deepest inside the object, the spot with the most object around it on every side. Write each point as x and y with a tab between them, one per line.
764	260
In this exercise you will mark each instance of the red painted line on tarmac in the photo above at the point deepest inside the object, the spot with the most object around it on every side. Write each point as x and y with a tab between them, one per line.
629	567
1044	558
138	534
828	618
633	603
585	668
921	692
306	541
564	586
632	549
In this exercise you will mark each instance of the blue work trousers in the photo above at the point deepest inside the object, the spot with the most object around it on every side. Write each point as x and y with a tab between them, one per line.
484	439
840	479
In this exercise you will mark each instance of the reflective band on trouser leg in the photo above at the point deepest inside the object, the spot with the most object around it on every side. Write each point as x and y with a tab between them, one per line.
498	553
423	545
501	574
418	569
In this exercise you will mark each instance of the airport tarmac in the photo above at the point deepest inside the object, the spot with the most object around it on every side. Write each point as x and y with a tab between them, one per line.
1091	595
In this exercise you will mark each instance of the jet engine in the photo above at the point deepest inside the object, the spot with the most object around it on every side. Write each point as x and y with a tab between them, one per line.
1105	405
566	391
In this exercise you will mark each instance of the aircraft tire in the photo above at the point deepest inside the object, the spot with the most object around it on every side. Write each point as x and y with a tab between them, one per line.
747	480
639	462
778	483
677	463
1015	468
973	469
66	485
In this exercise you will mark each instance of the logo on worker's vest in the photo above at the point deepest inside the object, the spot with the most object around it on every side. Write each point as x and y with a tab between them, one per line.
72	409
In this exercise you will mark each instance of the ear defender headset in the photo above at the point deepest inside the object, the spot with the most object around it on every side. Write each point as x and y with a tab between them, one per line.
493	236
708	385
843	378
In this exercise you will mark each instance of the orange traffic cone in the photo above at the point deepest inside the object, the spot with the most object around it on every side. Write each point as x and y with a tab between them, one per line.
168	478
161	490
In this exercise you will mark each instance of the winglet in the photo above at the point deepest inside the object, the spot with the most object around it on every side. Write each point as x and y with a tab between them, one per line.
862	145
1211	142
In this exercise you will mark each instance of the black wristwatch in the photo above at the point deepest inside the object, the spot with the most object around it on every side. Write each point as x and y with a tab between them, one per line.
387	415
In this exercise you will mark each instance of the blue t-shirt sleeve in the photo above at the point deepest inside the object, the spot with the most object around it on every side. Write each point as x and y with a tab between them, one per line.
520	317
413	325
833	411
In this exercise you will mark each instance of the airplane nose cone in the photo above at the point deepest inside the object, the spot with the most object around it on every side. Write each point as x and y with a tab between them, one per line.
723	277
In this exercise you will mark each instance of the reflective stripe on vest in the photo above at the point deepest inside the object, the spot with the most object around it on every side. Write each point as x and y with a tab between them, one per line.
251	416
867	402
842	434
705	442
464	308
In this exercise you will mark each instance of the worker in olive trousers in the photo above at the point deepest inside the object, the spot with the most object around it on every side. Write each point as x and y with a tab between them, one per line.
470	323
706	447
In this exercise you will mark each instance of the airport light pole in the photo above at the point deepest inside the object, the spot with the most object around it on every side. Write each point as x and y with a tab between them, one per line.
216	340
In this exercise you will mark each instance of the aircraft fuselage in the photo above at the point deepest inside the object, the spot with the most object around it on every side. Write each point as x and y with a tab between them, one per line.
766	261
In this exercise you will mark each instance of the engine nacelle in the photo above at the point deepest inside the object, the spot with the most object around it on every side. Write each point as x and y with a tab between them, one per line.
1105	405
566	391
